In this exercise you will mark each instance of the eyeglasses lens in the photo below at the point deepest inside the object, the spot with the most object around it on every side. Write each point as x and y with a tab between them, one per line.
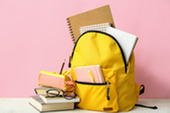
69	95
53	93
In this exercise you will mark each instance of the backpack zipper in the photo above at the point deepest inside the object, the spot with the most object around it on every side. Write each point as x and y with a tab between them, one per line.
106	83
88	83
123	56
108	98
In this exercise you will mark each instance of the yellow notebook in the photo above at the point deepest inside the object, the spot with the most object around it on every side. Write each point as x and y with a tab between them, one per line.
95	16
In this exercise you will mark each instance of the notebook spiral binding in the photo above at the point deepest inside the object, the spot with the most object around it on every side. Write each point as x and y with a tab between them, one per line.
70	29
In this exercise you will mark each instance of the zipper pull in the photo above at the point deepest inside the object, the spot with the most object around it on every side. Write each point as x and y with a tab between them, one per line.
108	98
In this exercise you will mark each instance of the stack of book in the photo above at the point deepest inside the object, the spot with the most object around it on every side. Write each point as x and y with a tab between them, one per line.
42	103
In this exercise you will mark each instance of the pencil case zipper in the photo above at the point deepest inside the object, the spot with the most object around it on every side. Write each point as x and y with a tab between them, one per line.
52	74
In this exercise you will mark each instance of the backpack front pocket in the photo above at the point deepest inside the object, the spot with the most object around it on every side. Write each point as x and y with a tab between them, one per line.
97	96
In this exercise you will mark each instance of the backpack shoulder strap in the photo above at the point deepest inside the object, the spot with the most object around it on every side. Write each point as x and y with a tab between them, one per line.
144	106
142	89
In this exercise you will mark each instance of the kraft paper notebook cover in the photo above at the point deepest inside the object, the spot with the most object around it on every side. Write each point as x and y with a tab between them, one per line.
82	74
95	16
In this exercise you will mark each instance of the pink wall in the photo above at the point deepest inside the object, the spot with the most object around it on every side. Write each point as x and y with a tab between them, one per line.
34	36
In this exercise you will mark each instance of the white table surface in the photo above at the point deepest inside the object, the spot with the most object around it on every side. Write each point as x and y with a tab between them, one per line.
21	105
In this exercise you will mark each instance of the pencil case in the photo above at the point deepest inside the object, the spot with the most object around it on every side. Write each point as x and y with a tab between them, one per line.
53	79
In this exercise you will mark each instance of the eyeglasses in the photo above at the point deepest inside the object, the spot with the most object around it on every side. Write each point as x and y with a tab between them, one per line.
60	93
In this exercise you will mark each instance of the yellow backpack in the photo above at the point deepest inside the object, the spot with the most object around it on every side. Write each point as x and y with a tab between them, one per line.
120	92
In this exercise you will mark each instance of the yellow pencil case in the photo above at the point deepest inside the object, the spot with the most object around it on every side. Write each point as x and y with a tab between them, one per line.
53	79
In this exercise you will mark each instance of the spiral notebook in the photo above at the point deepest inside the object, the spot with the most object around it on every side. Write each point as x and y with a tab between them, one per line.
98	27
95	16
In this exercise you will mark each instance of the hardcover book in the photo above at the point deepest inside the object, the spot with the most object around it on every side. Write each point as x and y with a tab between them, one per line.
58	99
40	105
